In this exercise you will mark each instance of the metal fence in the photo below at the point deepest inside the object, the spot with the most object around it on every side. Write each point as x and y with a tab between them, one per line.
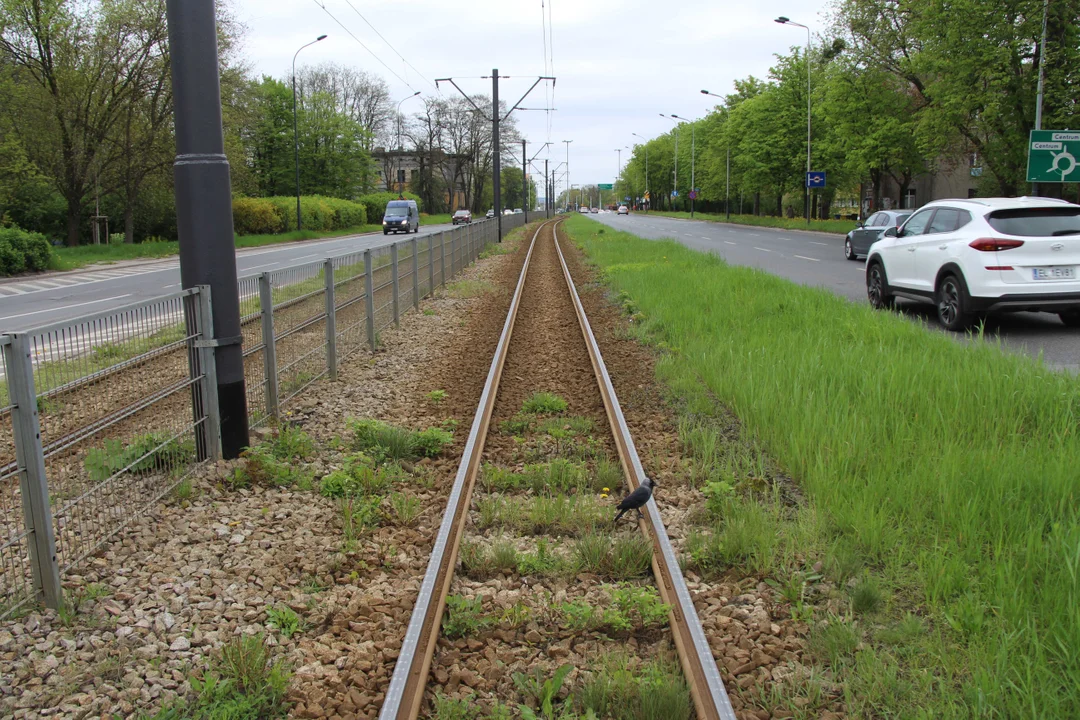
102	416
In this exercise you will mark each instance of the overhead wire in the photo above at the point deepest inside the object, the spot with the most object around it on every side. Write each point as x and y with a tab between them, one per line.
406	62
361	43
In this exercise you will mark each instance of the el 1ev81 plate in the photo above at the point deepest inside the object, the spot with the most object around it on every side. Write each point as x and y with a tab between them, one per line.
1053	273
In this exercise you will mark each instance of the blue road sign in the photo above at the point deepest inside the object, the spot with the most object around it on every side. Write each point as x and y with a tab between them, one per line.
815	179
674	193
627	198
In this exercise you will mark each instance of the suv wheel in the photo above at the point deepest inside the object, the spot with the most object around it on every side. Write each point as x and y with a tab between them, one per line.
953	304
877	287
1071	318
849	252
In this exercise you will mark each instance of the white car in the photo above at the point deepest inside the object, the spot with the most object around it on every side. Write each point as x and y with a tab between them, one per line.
623	210
979	256
584	209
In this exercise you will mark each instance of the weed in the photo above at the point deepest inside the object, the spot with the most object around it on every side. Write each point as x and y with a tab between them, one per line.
516	615
358	477
384	442
504	556
436	396
358	514
469	288
574	425
640	603
904	632
620	558
312	586
184	490
607	476
543	562
464	617
518	425
544	403
834	640
406	509
544	691
139	455
291	442
262	467
285	620
448	708
430	442
428	312
747	535
622	688
866	596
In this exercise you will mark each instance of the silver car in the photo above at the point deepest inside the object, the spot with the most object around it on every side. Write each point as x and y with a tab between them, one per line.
858	241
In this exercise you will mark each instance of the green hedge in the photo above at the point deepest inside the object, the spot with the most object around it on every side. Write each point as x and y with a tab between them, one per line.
375	204
21	251
268	216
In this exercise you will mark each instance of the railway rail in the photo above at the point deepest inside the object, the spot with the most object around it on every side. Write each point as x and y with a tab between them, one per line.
405	696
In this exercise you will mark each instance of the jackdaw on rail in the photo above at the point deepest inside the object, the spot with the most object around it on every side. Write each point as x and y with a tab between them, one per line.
636	500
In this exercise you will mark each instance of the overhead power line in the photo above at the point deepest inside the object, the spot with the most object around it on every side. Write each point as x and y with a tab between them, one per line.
347	2
361	43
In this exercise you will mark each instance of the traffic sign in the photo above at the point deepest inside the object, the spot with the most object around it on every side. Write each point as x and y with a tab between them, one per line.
1052	156
815	179
605	186
627	198
692	194
674	193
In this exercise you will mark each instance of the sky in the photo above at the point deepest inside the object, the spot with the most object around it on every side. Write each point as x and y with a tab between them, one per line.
618	64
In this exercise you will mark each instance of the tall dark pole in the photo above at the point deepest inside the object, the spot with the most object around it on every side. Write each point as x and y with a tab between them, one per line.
547	189
495	181
204	219
524	183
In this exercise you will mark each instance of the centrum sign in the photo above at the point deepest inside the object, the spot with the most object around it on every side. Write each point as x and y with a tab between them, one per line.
1053	156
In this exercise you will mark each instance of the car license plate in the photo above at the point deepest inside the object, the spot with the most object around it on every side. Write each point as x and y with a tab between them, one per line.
1053	273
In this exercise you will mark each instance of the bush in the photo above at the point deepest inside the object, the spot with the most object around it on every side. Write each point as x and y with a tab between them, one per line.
375	204
21	251
256	216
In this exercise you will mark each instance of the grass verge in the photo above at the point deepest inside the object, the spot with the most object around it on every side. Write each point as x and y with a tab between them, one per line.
946	470
841	227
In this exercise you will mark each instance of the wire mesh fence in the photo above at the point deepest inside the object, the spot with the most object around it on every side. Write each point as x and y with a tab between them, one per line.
102	416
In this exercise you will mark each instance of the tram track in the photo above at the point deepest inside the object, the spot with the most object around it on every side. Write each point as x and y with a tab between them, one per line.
546	344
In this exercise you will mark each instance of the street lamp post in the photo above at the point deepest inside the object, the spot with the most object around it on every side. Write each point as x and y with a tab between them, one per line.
787	21
645	142
568	185
693	146
727	191
296	135
397	117
676	154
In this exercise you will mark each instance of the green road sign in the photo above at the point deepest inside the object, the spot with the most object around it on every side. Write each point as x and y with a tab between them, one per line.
605	186
1053	156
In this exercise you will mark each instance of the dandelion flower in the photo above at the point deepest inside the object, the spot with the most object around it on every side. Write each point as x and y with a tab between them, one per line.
603	495
607	489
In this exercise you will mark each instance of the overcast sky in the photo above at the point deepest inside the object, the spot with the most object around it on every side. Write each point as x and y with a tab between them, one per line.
618	63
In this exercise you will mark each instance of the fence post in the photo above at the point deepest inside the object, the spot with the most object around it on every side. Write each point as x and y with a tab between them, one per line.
331	320
394	273
33	484
369	300
430	266
415	275
442	258
266	303
209	373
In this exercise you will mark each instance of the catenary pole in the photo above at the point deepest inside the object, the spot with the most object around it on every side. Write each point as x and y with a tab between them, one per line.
204	202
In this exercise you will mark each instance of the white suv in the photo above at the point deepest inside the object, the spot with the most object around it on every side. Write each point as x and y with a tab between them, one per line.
983	255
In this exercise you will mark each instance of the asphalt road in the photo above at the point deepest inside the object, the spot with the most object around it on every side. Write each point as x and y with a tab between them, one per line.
33	302
817	260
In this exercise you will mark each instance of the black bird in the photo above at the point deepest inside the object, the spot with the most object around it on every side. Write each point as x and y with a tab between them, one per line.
636	500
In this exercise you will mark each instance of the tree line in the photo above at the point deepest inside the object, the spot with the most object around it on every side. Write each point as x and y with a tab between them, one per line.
898	88
86	125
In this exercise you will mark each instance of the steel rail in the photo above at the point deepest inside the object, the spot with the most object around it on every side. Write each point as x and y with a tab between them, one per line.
706	686
406	691
404	697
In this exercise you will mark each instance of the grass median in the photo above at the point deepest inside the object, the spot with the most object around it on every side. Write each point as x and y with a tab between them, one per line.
836	227
942	474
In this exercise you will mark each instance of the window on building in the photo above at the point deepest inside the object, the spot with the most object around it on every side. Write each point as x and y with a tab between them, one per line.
909	198
971	192
401	175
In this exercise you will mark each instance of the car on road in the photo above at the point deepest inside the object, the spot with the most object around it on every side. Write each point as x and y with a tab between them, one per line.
490	214
584	209
623	210
594	211
462	216
401	216
858	241
979	256
508	211
517	211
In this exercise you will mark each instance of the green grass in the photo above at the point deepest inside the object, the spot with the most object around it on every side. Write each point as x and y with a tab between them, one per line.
67	258
947	469
841	227
462	289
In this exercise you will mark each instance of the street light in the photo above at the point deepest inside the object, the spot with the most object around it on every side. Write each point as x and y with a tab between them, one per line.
296	135
693	146
787	21
645	142
727	192
706	92
676	154
397	116
569	187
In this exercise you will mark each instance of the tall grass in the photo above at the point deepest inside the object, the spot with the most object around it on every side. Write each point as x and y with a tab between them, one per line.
951	468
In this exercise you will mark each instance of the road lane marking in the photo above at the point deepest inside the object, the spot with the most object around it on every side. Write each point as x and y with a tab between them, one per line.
256	267
730	243
705	238
762	249
815	242
64	307
803	257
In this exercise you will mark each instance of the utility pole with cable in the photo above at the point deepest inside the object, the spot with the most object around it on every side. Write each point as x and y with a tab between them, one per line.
495	121
296	135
